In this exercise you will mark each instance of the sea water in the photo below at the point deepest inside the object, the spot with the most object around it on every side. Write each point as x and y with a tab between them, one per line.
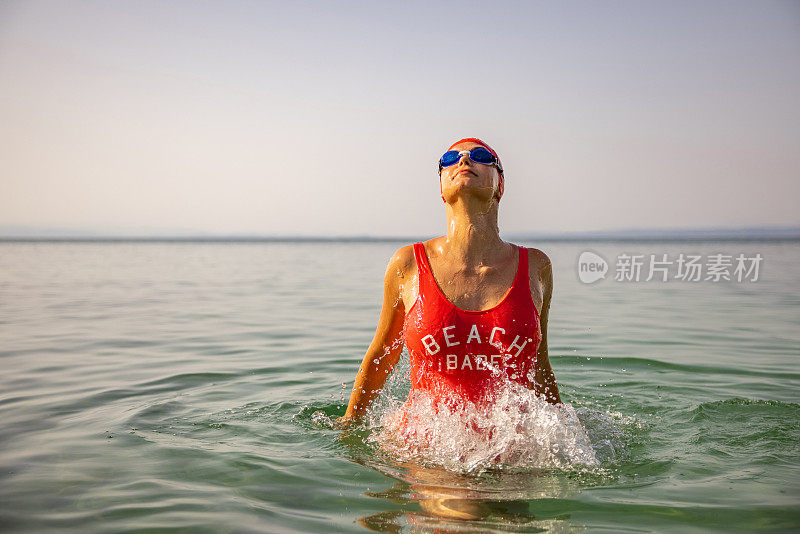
196	386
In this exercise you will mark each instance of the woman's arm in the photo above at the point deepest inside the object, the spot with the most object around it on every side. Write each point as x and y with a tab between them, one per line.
545	382
387	344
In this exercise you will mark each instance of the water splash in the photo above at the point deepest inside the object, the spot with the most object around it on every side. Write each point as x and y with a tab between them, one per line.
517	430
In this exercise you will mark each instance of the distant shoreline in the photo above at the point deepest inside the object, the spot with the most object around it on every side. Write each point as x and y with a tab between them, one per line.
785	233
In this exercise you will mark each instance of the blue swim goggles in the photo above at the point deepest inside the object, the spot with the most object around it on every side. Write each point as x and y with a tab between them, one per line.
478	155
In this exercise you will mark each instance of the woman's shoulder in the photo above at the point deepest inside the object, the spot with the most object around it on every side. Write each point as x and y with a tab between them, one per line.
402	263
538	256
539	264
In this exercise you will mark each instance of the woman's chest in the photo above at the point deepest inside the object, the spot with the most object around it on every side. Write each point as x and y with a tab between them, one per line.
471	294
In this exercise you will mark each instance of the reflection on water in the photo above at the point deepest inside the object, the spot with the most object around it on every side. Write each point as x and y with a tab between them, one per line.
453	502
399	521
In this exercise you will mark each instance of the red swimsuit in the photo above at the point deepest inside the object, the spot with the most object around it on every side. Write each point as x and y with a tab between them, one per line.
458	354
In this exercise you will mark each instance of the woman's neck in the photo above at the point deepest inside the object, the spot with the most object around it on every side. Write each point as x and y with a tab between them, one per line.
473	236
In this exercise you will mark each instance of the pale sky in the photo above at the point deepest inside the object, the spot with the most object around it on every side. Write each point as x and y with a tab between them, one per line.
327	118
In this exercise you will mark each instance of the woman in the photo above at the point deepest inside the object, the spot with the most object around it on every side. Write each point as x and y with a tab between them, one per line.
471	308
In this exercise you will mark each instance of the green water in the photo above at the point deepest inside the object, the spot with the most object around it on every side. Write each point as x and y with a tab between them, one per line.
187	386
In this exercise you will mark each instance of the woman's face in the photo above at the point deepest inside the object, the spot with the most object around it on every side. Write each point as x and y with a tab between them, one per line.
466	175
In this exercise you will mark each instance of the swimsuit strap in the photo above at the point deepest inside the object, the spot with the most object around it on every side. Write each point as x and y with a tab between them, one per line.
424	274
522	280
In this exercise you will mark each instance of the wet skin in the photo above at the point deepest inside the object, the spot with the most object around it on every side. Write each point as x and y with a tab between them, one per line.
473	267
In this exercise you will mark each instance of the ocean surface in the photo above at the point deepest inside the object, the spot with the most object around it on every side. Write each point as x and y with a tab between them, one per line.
151	386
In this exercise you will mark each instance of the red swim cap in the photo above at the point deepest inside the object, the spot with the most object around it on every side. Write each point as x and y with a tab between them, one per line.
501	183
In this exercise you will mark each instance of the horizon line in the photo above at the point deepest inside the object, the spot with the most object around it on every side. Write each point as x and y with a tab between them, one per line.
783	232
